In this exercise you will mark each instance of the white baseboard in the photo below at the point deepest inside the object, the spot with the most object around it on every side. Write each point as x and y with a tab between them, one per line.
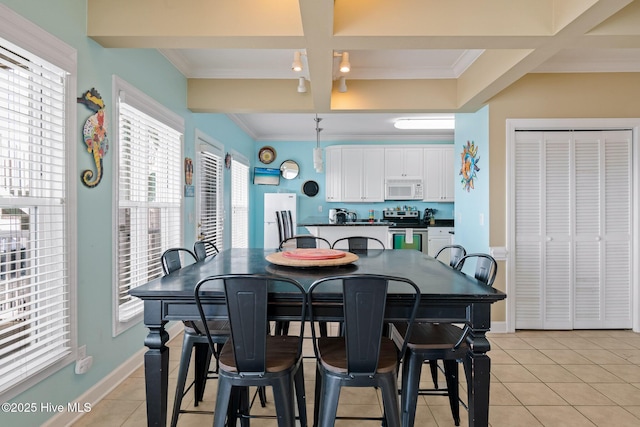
499	327
96	393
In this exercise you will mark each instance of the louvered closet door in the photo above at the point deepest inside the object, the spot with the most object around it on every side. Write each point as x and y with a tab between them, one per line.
528	228
573	229
556	225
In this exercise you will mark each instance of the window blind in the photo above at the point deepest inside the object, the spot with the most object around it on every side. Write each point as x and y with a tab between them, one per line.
149	201
210	196
239	204
35	313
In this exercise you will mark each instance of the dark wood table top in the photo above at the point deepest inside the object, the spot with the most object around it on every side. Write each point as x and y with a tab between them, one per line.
435	280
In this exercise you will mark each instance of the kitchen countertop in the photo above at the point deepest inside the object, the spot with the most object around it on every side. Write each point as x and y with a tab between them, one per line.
320	221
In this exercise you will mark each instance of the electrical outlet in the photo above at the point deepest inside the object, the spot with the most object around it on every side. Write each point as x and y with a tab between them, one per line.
83	365
82	352
320	208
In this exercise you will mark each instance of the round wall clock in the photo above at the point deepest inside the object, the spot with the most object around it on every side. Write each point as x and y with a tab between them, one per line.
267	155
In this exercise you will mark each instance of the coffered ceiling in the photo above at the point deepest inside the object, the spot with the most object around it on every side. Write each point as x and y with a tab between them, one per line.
408	57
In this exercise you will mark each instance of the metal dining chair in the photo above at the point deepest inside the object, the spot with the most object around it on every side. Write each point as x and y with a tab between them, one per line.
357	244
486	267
203	249
437	341
455	252
363	357
193	338
251	357
285	225
305	241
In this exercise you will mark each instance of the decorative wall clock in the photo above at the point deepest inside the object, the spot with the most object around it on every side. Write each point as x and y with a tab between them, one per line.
267	155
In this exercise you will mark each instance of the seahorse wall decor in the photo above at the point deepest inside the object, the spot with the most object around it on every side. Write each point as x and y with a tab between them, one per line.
94	133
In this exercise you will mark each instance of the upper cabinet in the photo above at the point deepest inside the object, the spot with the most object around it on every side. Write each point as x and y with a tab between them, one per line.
403	162
357	173
333	178
438	173
361	177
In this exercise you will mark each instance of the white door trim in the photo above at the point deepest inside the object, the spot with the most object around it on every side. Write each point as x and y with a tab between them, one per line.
512	125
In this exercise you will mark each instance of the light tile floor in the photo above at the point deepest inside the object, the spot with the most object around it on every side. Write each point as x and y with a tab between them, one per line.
538	378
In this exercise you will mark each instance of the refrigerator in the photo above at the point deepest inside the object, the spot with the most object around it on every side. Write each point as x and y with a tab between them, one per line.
277	202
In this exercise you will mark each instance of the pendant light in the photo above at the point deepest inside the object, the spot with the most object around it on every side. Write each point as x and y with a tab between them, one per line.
317	152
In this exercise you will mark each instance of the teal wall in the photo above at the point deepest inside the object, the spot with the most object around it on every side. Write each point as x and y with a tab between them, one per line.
149	71
302	153
472	232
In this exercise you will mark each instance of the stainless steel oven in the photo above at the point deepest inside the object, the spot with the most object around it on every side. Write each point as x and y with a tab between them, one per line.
408	231
409	238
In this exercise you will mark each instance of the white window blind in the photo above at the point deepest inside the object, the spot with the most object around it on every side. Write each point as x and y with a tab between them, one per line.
36	319
210	195
240	204
149	199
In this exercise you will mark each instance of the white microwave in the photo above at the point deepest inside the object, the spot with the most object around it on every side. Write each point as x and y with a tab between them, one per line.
403	189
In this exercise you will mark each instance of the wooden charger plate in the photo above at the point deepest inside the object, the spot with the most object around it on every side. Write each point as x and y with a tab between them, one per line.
279	258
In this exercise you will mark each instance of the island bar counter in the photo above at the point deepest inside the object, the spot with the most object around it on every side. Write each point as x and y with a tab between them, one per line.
322	227
447	296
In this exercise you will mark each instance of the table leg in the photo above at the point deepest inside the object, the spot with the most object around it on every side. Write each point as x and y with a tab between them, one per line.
477	367
156	370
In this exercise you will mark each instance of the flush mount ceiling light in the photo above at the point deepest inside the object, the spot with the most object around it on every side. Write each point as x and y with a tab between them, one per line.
425	124
345	65
342	85
297	62
302	85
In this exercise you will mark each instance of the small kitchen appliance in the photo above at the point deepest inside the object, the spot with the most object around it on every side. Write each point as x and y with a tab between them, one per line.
332	216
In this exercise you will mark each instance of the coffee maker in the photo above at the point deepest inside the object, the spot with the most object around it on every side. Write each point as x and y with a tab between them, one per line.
338	216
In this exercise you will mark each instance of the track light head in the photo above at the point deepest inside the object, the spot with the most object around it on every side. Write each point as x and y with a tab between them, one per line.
302	85
297	63
345	65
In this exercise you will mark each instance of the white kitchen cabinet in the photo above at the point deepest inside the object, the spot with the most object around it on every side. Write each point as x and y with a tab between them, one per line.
438	238
361	177
403	162
439	174
333	177
572	249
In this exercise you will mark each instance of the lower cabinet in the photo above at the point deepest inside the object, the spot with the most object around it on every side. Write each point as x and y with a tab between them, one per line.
439	237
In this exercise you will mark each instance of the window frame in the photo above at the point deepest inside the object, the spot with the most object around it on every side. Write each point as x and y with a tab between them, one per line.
205	143
146	104
237	158
30	37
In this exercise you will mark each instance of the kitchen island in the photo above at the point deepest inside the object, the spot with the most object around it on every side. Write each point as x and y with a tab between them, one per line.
322	227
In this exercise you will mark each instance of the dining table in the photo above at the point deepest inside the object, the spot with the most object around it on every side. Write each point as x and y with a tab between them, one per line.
447	295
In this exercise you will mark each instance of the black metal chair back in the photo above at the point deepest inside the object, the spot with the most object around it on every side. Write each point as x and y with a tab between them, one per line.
203	249
455	253
246	298
172	259
359	244
284	220
306	241
364	301
486	267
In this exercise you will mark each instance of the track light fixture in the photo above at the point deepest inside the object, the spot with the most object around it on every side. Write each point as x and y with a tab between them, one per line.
302	85
342	84
345	65
297	62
